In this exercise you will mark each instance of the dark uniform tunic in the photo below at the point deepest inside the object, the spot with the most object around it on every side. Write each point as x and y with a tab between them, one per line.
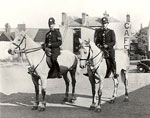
107	37
53	37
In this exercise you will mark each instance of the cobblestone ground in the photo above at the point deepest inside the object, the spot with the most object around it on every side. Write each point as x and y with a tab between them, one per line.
17	95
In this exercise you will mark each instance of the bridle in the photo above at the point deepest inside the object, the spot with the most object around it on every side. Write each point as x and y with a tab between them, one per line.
32	69
88	59
18	46
24	50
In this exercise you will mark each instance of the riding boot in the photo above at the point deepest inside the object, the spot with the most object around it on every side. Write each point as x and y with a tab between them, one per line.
86	74
59	74
108	71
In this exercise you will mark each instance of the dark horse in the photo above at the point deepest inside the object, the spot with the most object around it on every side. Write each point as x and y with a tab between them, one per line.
39	68
92	57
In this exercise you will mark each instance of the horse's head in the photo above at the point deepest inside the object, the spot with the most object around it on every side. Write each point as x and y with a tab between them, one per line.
84	52
18	44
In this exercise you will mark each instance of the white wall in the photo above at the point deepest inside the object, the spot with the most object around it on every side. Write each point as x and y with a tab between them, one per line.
87	33
67	38
4	46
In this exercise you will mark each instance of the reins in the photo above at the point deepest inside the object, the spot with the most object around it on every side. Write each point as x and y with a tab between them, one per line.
88	57
31	69
88	60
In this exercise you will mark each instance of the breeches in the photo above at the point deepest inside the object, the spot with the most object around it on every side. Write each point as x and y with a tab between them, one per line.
53	60
111	60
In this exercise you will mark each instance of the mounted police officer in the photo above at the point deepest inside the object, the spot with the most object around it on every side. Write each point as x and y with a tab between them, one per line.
105	39
52	45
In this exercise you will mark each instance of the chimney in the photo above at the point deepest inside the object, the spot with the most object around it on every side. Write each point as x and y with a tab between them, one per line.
7	28
21	27
105	14
64	19
87	20
84	19
141	26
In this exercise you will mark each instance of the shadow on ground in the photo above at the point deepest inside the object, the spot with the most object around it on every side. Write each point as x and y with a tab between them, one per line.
137	107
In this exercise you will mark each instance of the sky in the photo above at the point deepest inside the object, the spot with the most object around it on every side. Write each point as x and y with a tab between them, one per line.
35	13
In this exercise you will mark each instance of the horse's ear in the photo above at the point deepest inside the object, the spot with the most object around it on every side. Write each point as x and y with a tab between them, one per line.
23	33
87	41
80	40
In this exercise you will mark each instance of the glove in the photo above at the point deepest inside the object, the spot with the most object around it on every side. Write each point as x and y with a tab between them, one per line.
105	46
49	45
99	46
43	46
48	52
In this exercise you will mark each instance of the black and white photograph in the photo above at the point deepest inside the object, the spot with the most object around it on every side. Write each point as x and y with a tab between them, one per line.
74	59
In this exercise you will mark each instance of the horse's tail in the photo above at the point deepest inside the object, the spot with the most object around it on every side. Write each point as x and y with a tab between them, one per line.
124	76
77	65
78	69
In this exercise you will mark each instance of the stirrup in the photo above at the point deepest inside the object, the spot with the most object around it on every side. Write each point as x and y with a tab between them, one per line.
86	74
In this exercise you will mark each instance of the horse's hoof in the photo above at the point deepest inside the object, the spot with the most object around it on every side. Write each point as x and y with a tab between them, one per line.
112	101
98	110
65	100
41	109
92	108
72	100
126	100
34	108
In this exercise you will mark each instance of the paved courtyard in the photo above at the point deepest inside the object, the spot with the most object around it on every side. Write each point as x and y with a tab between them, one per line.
17	96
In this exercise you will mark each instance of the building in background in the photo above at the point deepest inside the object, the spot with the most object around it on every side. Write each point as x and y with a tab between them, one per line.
72	28
21	27
140	44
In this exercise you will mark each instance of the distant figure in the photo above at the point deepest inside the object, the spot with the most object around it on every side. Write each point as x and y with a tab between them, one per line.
52	44
105	39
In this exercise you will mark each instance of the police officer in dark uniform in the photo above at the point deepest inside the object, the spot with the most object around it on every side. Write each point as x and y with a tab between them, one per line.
52	45
105	39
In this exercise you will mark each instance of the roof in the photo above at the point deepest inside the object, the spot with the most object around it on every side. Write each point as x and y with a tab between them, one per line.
40	35
74	21
31	32
94	21
5	37
90	21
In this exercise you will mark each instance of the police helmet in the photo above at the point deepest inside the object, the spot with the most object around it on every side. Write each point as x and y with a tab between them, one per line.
104	20
51	21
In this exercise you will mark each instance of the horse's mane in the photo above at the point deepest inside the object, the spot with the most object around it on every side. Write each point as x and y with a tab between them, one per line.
94	46
28	38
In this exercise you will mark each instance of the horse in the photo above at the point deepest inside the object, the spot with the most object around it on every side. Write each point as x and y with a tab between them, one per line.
92	57
39	69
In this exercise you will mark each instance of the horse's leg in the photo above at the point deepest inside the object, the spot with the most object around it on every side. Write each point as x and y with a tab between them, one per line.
125	81
73	73
98	108
92	81
116	83
36	85
66	79
43	91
